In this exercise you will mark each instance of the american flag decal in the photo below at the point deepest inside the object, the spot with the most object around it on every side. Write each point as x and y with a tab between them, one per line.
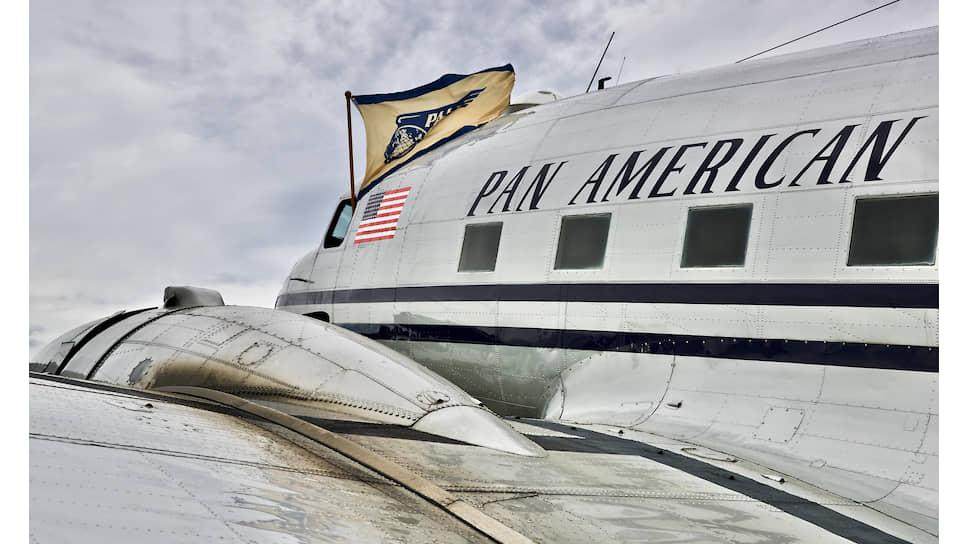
380	217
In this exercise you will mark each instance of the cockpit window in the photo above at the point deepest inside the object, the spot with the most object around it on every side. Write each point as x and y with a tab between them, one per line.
339	225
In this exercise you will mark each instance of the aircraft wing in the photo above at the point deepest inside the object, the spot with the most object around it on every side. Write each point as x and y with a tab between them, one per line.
109	463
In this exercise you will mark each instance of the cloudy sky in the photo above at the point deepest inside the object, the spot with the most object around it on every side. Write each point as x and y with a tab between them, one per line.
204	143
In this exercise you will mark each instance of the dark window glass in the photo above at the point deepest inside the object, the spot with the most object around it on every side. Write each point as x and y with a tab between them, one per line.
339	225
894	231
581	242
479	252
717	236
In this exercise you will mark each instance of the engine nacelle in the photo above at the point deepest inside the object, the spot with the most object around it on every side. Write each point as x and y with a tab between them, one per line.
273	355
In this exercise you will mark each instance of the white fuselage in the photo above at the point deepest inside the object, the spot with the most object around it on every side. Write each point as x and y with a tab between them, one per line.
809	352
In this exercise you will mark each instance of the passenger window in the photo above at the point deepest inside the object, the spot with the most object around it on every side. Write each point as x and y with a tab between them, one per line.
894	231
339	225
716	236
479	251
581	241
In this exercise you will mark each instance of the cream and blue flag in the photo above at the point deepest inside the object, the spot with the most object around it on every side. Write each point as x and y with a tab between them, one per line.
402	126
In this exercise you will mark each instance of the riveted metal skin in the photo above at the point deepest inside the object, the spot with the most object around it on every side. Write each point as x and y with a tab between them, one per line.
792	358
260	352
789	398
426	489
112	464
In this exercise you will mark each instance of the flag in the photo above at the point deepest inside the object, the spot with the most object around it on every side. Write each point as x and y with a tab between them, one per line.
402	126
379	221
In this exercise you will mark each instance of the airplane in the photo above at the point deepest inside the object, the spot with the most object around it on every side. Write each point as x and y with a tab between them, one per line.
695	308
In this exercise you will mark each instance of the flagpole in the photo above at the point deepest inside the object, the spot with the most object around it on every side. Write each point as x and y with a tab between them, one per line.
349	134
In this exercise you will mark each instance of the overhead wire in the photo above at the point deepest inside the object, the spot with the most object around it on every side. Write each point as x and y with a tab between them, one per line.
819	30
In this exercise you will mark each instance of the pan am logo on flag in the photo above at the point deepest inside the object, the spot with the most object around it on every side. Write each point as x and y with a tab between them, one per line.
412	127
404	125
379	221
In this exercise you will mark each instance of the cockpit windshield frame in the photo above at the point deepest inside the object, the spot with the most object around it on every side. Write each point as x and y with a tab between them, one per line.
339	225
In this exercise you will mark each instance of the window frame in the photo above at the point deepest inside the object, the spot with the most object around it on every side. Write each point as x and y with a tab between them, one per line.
751	206
329	238
497	251
881	266
556	264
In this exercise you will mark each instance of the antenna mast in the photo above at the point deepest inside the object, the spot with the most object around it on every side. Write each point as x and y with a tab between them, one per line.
600	62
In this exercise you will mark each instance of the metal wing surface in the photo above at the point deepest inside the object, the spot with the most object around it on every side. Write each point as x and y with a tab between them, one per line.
113	464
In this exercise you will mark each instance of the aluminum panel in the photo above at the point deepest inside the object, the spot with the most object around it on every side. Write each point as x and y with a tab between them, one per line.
107	468
913	393
888	429
645	241
880	50
619	389
527	247
433	250
893	326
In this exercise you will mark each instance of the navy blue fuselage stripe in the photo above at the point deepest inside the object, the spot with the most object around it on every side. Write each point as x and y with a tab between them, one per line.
443	81
864	295
847	354
826	518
